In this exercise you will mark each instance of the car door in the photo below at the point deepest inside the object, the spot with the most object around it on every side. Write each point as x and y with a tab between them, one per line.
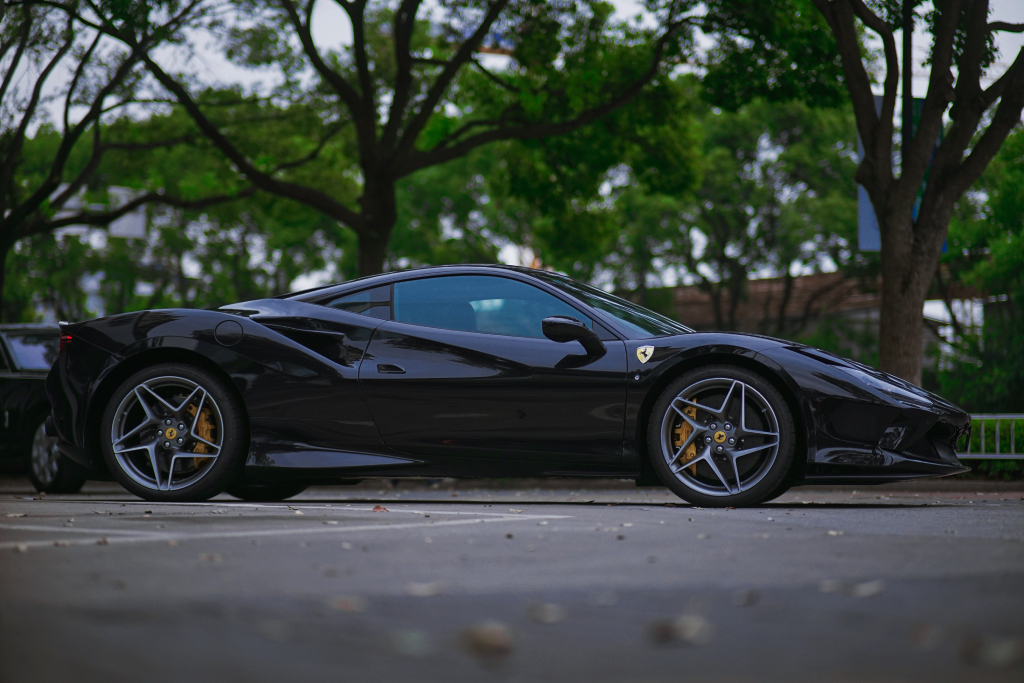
463	369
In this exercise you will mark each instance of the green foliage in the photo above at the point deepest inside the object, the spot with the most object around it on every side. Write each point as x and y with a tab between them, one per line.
845	337
777	50
46	271
777	197
986	250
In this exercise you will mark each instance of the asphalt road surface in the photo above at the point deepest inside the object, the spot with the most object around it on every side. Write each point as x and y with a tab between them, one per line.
505	585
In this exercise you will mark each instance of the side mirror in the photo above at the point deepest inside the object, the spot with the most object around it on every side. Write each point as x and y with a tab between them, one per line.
562	328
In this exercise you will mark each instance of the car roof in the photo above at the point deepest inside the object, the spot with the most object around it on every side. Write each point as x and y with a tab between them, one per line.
29	327
395	275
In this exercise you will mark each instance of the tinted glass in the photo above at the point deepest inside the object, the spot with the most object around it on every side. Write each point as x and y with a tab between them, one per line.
637	319
494	305
34	350
3	359
375	302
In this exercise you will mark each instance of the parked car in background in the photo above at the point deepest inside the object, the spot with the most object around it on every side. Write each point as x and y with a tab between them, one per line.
26	354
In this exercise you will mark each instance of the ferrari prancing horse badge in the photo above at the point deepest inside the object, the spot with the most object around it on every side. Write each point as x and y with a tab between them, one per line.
644	353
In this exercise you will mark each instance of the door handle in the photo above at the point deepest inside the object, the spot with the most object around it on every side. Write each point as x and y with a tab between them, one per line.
390	369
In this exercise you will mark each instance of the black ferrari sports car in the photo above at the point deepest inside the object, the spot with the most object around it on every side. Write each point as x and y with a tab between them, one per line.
476	371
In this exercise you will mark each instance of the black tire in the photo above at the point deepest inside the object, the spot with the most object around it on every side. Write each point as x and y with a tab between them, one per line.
764	469
226	414
265	493
48	470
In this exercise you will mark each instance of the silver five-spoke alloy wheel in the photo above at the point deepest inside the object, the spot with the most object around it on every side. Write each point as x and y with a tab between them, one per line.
167	433
720	436
45	458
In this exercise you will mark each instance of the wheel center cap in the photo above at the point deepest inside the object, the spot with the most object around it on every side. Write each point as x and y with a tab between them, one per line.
720	437
172	432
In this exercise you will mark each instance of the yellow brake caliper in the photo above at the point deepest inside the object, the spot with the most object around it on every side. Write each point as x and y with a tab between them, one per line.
204	428
679	436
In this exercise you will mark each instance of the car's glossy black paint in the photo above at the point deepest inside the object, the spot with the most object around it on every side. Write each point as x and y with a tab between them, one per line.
333	395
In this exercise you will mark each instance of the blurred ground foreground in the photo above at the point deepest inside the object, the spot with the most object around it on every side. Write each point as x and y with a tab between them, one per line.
517	584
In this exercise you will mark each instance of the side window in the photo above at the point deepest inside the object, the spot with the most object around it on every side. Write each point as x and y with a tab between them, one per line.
375	302
3	358
34	350
474	303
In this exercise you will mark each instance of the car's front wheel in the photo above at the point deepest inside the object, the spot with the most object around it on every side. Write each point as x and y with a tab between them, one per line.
174	432
48	471
721	436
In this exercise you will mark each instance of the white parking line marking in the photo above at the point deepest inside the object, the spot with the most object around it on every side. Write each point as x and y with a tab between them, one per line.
71	529
149	537
323	507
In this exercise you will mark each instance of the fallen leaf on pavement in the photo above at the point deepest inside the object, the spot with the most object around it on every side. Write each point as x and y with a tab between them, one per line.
488	640
380	508
867	588
423	590
348	604
994	653
690	629
546	613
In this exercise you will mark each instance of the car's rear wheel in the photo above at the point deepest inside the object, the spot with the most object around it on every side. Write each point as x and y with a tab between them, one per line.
265	493
48	471
174	432
721	436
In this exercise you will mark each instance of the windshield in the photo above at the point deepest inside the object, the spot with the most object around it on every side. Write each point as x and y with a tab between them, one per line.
637	319
34	350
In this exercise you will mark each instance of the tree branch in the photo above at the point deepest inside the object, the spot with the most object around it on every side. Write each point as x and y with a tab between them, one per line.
309	196
22	43
107	217
440	155
356	13
940	94
345	91
875	130
405	24
78	74
315	153
440	86
1005	26
1007	116
493	77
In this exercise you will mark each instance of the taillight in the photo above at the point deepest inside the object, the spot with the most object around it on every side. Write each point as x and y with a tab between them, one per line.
65	339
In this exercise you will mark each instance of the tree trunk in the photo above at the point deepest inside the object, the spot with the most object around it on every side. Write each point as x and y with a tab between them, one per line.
373	249
908	266
380	213
902	327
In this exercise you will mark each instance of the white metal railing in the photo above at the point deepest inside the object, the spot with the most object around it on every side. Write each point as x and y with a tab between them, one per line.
991	445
